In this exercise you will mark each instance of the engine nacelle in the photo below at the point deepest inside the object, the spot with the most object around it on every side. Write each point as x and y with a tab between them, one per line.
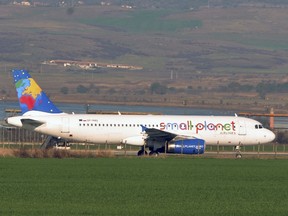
186	146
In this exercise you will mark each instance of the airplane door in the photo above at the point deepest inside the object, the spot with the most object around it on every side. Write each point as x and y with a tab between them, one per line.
242	128
65	125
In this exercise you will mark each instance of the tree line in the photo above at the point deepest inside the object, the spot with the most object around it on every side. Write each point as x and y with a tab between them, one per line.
173	4
261	88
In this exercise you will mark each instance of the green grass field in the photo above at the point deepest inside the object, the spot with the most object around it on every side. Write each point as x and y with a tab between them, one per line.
143	186
144	21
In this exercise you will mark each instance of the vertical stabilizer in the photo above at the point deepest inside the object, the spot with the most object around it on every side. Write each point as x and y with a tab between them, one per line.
30	95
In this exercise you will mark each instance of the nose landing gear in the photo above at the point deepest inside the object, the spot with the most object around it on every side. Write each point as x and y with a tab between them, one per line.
238	152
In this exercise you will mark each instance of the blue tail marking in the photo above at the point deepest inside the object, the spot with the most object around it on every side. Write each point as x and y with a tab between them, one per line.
30	95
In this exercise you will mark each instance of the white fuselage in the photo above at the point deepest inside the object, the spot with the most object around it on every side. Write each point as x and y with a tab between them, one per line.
114	129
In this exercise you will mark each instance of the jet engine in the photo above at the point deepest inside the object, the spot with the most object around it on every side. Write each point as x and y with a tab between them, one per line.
186	146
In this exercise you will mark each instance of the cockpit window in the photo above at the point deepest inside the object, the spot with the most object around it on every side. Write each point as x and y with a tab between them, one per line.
258	126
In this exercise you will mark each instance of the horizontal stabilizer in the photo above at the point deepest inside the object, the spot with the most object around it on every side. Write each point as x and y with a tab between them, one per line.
28	123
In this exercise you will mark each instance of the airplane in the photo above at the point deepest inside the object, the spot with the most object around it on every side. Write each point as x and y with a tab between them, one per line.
181	134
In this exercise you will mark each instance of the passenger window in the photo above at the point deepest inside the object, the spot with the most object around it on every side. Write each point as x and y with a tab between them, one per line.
260	126
256	126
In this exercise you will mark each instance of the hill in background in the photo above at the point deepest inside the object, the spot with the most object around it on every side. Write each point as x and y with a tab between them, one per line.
198	56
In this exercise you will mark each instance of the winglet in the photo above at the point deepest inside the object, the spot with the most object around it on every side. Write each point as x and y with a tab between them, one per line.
30	95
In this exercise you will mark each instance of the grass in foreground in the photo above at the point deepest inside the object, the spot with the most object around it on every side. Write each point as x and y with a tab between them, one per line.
143	186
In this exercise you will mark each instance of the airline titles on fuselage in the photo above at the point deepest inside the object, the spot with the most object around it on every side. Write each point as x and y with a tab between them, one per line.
223	128
200	126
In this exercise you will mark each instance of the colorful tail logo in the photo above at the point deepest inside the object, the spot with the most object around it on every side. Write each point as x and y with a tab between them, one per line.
30	95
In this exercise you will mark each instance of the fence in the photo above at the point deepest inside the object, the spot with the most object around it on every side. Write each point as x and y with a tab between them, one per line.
12	137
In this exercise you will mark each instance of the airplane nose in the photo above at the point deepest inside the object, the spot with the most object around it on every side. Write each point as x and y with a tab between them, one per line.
270	136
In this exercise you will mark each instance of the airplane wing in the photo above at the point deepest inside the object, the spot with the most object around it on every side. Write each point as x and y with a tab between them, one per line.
28	123
157	134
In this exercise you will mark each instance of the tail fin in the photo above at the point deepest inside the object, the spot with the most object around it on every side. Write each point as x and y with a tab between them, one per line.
30	95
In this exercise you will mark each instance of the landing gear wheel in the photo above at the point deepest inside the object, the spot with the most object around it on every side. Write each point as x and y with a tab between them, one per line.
153	153
142	152
238	155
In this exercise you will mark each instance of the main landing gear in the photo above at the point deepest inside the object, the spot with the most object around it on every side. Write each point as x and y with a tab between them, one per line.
143	152
153	153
